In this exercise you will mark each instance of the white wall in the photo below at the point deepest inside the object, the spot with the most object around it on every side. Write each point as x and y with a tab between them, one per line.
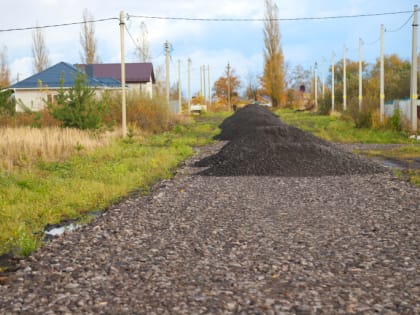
33	99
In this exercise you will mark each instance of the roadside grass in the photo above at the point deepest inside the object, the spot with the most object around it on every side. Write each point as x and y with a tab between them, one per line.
48	192
337	129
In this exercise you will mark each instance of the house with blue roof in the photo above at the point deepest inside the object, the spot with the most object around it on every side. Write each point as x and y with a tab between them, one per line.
34	91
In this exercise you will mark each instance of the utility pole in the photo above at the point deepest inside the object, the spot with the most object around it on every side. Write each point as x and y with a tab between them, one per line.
179	86
360	75
201	81
323	77
228	84
189	85
167	71
382	78
344	80
413	88
123	101
204	84
208	80
332	85
316	86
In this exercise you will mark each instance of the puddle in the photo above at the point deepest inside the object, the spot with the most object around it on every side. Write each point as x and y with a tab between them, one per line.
56	231
392	163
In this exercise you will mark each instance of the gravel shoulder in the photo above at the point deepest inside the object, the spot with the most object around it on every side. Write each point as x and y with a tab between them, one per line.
235	245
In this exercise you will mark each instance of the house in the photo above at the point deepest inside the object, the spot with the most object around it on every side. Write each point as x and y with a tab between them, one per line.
138	76
33	92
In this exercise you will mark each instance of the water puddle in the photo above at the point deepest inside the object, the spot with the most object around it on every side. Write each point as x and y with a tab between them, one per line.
56	231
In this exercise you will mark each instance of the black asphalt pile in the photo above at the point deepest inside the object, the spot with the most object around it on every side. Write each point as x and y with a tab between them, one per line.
278	149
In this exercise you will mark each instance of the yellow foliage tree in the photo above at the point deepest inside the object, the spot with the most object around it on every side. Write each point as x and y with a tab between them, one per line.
272	80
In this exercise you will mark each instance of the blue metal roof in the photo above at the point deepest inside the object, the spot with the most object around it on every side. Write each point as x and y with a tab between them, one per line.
51	77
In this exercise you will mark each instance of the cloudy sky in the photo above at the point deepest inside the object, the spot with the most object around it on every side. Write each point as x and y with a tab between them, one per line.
208	43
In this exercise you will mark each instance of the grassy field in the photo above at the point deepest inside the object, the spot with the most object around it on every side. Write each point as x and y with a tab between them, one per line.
335	129
47	191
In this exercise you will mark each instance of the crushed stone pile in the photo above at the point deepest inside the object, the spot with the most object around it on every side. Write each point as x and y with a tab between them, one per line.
277	149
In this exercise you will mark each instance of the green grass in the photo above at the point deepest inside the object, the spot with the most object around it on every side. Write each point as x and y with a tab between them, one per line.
337	129
51	192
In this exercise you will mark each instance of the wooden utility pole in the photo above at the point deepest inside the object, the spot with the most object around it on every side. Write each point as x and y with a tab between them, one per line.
201	81
179	86
316	85
168	87
228	84
344	80
204	85
360	75
208	81
123	101
189	85
332	84
323	77
413	88
382	76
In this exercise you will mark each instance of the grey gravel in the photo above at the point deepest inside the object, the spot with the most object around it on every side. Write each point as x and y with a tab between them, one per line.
235	245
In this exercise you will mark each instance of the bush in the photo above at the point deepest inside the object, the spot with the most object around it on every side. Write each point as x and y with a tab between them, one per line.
148	114
324	104
7	103
78	107
395	121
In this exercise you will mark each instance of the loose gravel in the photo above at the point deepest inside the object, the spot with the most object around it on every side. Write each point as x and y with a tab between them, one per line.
235	245
262	145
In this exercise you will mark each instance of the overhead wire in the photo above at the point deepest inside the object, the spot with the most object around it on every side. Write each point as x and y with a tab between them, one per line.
400	28
264	19
56	25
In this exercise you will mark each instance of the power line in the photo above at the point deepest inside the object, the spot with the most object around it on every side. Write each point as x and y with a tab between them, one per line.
56	25
264	19
399	28
137	46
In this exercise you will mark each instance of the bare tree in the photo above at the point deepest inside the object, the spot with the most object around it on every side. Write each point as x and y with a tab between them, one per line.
39	50
4	68
143	48
273	77
252	86
87	40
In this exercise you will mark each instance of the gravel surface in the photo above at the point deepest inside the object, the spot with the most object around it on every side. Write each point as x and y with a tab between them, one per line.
235	245
289	244
262	145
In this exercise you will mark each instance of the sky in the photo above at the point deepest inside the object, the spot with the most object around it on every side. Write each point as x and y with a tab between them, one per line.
214	44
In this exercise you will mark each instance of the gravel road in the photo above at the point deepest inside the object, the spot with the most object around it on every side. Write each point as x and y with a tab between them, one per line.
235	245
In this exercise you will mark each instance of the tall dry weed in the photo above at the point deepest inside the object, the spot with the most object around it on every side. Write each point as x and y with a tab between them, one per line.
22	146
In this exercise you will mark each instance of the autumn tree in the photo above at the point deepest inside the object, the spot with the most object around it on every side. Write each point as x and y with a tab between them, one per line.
39	50
4	68
143	47
87	40
273	77
221	86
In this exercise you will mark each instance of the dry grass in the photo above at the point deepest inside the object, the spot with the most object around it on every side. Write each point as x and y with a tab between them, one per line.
22	146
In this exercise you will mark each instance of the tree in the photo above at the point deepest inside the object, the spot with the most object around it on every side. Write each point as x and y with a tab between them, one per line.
87	39
143	48
78	107
39	50
251	91
4	68
220	86
273	77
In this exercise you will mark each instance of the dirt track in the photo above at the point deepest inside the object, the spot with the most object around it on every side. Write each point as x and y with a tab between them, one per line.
329	234
235	245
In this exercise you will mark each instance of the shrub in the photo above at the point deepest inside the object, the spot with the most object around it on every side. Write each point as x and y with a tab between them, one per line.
324	104
7	103
78	107
148	114
395	121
